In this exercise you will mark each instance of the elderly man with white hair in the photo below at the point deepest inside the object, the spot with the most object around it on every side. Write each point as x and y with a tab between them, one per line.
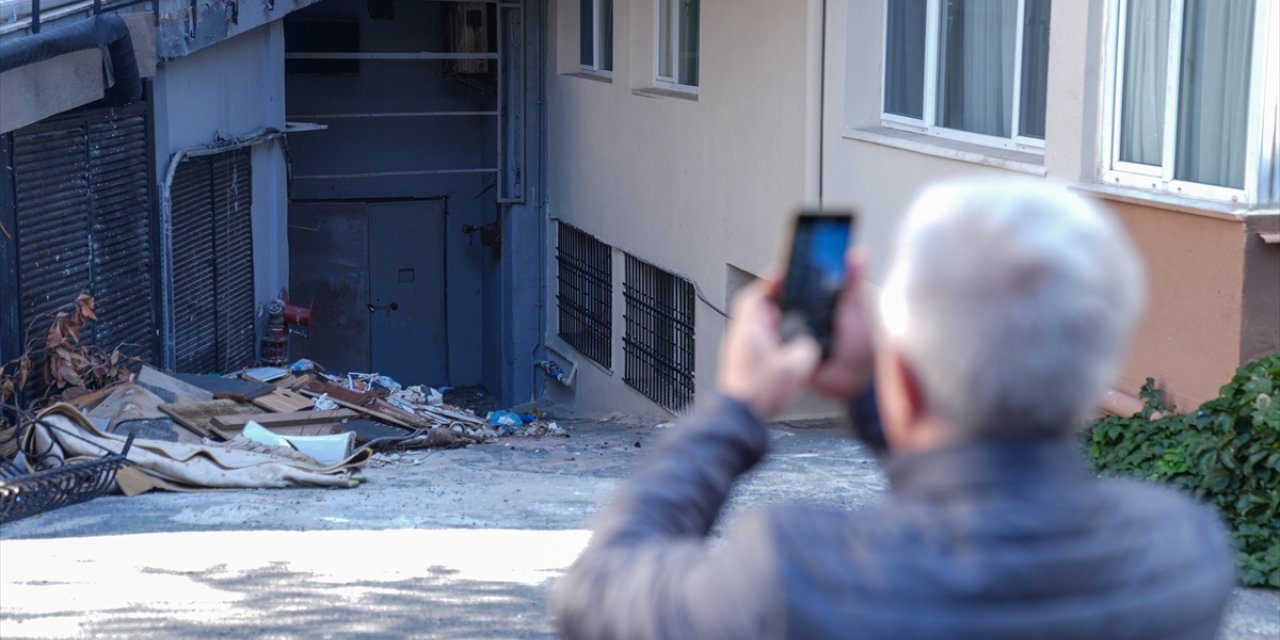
1006	311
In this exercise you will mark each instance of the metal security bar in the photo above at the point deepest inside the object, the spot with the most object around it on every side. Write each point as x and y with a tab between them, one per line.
658	342
585	296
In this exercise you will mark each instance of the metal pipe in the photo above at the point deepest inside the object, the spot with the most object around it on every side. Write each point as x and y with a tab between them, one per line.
260	136
108	31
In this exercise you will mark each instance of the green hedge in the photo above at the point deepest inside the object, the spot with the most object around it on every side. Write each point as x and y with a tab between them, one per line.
1227	454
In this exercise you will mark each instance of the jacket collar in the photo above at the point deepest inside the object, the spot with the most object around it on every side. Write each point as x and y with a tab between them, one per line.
987	463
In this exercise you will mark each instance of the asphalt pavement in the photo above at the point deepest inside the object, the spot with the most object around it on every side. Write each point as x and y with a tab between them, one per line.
438	544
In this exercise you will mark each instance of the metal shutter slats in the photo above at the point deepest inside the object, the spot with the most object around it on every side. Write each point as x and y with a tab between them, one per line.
53	232
119	186
195	328
232	197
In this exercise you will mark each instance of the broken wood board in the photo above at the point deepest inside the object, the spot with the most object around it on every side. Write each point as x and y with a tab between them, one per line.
372	413
342	394
367	430
170	388
284	401
198	416
292	418
233	388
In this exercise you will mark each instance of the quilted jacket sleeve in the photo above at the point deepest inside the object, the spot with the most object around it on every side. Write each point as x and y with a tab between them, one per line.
650	572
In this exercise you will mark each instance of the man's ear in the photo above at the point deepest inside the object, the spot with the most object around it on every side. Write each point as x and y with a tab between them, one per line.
913	397
901	398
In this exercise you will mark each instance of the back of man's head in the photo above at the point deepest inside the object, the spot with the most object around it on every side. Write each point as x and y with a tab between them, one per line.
1012	301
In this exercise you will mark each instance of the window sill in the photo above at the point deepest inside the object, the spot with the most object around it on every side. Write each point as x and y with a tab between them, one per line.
658	92
590	75
1011	160
1181	204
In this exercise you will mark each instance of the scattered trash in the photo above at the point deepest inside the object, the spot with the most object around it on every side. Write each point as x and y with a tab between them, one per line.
324	403
503	419
266	426
553	370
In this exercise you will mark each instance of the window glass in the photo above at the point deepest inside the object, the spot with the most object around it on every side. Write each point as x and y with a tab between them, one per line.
1035	68
689	42
1213	110
1144	80
665	22
904	58
586	33
606	35
976	50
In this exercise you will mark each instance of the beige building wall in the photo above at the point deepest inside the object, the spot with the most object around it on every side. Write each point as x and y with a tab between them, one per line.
690	185
1189	340
693	185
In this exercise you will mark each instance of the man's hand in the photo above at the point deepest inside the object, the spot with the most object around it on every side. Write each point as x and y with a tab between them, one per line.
756	367
849	367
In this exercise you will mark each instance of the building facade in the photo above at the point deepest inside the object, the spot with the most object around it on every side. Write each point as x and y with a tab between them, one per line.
379	161
1164	111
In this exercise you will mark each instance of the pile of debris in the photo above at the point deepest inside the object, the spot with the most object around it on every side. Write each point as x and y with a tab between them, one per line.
260	427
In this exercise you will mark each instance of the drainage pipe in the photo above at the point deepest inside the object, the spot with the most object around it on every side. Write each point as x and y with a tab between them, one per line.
107	30
167	356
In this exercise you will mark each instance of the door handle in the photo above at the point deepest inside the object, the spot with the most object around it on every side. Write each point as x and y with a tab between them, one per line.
388	309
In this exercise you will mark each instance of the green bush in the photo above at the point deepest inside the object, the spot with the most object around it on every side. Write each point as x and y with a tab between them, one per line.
1227	454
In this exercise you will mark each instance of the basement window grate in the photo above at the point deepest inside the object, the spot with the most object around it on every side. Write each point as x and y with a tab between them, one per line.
658	342
585	296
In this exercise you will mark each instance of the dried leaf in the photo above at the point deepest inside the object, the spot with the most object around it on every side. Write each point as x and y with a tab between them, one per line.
84	304
68	374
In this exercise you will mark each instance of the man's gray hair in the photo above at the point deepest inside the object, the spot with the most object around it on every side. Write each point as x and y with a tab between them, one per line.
1013	300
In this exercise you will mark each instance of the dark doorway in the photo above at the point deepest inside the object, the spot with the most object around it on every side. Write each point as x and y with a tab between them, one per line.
373	273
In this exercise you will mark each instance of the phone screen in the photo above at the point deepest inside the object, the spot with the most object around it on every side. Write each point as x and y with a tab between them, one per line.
815	274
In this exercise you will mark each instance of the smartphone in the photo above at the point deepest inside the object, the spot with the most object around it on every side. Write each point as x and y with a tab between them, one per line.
815	275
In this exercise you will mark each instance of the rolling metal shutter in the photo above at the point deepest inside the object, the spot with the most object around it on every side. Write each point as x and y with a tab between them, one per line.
213	299
82	186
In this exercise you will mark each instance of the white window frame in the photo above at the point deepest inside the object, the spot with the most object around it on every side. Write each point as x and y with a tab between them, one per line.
1262	99
671	82
927	124
597	48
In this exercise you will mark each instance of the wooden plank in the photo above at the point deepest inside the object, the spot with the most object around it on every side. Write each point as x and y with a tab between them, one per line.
376	415
198	416
284	401
293	418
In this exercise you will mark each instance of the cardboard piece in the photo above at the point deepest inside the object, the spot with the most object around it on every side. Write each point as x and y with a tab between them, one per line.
169	388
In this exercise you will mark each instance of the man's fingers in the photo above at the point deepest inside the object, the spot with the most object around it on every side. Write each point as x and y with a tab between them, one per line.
800	356
855	261
748	297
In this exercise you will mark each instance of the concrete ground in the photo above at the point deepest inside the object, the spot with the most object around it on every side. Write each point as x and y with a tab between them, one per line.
440	544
